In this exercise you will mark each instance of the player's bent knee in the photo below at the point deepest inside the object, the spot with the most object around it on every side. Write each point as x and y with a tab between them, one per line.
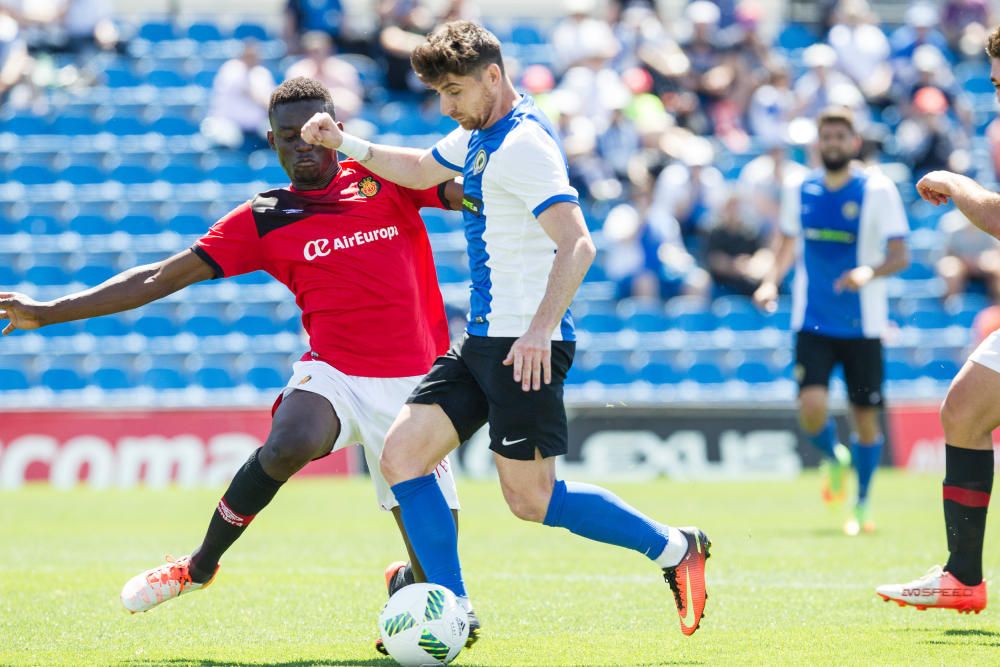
526	505
396	465
959	415
290	450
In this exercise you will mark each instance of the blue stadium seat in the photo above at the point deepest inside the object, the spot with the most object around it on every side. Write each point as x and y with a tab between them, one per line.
755	372
697	322
577	375
181	174
111	379
978	85
739	320
206	325
438	222
79	174
251	31
648	321
929	319
527	34
940	369
917	272
612	374
153	326
43	274
204	32
93	274
900	370
38	225
164	378
659	373
87	225
165	78
447	273
174	126
265	378
232	173
187	224
600	323
26	124
109	325
8	276
74	125
132	174
12	379
33	174
252	278
214	378
63	379
706	373
139	224
120	77
157	31
795	36
254	325
125	125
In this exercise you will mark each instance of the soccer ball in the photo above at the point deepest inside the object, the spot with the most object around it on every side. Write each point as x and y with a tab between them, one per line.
423	624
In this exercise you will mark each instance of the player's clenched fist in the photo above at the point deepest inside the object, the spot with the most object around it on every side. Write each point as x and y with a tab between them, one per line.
937	187
21	311
322	130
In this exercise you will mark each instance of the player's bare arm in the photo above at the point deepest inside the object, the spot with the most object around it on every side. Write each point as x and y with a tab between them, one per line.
127	290
409	167
897	258
766	295
531	354
978	204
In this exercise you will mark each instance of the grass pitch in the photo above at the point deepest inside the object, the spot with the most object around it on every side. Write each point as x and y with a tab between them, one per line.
304	585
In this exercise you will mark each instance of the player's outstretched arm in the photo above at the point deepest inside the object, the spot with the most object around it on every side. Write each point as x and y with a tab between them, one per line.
410	167
531	354
976	203
129	289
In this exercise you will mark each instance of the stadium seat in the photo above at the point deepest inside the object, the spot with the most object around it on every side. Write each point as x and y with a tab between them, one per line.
109	325
139	224
125	125
265	378
213	378
705	373
153	326
204	32
82	175
232	173
87	225
251	31
252	278
794	37
188	224
164	378
132	174
174	126
929	319
33	174
940	369
165	78
111	379
600	323
648	321
157	31
63	379
755	372
612	374
63	329
12	379
93	274
696	322
527	34
206	325
8	276
74	125
181	174
660	373
25	124
41	274
254	325
900	370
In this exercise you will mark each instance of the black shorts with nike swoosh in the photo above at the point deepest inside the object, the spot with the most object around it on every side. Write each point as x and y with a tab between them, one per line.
473	387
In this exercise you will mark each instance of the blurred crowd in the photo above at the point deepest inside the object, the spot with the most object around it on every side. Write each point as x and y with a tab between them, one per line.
679	133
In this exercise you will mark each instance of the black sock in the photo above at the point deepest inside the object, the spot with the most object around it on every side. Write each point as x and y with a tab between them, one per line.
249	492
968	482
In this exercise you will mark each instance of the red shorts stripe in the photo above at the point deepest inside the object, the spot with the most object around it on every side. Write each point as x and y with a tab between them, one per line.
966	497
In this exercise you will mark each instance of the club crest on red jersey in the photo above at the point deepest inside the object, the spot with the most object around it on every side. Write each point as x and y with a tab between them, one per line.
369	187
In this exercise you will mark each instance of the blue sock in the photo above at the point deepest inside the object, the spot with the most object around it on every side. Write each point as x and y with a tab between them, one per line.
825	439
597	514
865	458
431	529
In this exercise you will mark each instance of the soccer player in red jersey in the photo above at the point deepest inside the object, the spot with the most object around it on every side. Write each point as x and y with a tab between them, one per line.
970	413
353	249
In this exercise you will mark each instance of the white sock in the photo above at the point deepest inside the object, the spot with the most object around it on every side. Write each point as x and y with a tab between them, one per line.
464	603
677	546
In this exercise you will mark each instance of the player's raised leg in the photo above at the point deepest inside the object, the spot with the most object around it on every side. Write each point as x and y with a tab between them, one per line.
305	427
969	414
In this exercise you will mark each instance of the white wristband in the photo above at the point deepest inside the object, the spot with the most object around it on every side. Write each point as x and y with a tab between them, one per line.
355	147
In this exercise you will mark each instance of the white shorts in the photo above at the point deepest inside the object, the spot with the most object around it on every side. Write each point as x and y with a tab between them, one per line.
988	352
366	408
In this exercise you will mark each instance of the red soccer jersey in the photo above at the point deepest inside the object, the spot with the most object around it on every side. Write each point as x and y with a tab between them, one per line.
357	258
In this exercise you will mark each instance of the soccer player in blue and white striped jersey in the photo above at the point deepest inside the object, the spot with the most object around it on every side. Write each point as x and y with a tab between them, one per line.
845	228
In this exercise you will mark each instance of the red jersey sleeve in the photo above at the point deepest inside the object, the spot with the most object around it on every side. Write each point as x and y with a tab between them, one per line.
232	245
429	198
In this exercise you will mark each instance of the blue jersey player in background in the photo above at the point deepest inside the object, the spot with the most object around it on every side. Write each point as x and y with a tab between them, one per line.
844	227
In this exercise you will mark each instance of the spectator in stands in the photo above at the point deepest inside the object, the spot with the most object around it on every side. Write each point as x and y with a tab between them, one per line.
823	86
620	142
926	140
304	16
403	25
240	94
931	69
964	24
14	59
709	75
772	106
691	189
968	255
576	37
736	252
645	254
760	186
920	28
338	75
594	83
862	48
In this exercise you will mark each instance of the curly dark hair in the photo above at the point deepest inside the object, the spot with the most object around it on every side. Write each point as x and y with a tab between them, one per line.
457	47
993	43
301	88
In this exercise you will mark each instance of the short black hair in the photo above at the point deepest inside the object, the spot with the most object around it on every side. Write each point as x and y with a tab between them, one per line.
836	114
298	89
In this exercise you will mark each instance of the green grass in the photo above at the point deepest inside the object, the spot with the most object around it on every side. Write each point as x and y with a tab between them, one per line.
304	585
